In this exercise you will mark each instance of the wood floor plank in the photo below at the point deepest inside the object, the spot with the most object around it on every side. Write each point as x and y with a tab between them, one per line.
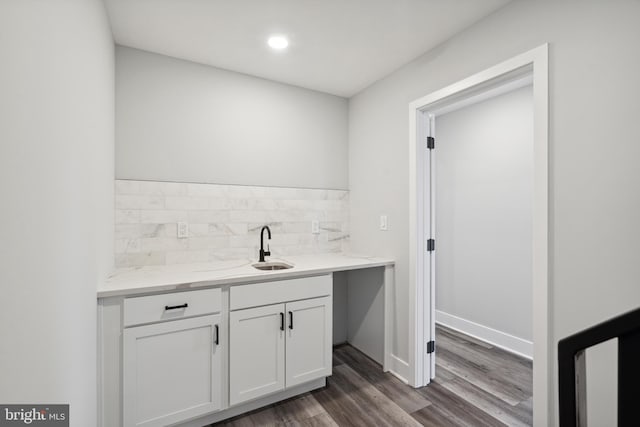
336	360
480	376
367	396
323	419
243	421
443	331
476	385
526	405
342	408
492	356
443	374
513	416
406	397
461	412
298	409
500	365
265	417
435	416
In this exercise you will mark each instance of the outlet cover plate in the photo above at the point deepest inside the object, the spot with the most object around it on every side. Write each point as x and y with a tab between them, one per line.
183	230
384	223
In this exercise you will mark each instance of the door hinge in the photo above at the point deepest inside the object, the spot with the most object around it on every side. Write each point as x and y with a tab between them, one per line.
431	245
431	142
431	347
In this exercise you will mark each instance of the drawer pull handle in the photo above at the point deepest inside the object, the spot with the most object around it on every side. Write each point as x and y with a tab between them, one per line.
291	320
282	321
217	340
175	307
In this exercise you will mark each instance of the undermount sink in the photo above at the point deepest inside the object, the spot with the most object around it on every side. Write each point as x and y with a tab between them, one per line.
272	265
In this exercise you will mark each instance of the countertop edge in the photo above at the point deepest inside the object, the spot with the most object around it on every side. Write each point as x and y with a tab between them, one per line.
179	285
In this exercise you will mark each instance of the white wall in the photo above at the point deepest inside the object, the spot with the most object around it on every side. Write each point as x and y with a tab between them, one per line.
185	122
365	312
484	192
594	152
56	181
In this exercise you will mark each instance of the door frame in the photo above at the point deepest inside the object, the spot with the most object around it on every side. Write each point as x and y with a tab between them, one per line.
421	291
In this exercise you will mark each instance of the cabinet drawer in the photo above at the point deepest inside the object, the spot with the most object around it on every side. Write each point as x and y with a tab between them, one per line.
176	305
257	294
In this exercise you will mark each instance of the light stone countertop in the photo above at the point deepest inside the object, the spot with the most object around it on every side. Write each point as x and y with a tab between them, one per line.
143	280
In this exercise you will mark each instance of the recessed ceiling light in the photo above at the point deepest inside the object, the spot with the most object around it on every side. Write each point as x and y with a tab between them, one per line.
278	42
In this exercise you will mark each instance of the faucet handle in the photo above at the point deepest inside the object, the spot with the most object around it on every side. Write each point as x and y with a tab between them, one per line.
268	251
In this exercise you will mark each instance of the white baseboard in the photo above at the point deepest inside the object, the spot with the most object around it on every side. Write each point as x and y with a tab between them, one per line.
399	368
500	339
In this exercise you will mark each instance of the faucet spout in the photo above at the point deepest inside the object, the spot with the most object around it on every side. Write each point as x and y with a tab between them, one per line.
264	253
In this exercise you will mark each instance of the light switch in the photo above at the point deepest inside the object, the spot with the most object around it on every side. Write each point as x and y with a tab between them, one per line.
315	226
183	230
384	225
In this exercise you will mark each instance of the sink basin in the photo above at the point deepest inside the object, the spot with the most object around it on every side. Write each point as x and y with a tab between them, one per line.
271	265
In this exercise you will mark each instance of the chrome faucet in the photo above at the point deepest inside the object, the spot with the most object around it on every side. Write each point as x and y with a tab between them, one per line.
264	253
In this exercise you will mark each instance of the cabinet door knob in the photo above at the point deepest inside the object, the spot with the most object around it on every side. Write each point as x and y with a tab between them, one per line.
175	307
282	321
291	320
217	340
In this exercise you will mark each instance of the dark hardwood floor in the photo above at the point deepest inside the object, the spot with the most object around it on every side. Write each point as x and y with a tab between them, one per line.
476	385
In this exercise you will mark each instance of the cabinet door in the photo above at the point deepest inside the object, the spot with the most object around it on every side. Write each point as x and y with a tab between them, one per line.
256	352
171	371
309	340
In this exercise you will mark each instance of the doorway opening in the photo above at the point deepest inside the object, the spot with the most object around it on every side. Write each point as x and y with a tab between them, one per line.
510	77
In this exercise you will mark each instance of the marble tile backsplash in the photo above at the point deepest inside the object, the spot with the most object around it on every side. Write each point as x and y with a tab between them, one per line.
224	221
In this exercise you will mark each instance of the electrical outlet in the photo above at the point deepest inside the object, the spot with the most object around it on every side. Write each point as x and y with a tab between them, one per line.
384	224
315	226
183	230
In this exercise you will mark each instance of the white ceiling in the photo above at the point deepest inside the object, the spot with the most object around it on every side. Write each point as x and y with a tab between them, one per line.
336	46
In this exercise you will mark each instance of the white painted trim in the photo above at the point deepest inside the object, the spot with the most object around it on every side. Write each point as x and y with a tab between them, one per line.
399	368
416	246
542	350
500	339
537	61
517	83
389	286
100	350
430	301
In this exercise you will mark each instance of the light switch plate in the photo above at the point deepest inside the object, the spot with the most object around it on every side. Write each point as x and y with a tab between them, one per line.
183	230
384	224
315	226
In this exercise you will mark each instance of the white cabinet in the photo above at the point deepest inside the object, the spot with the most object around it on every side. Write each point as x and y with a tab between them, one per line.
203	355
276	346
171	370
256	358
308	340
